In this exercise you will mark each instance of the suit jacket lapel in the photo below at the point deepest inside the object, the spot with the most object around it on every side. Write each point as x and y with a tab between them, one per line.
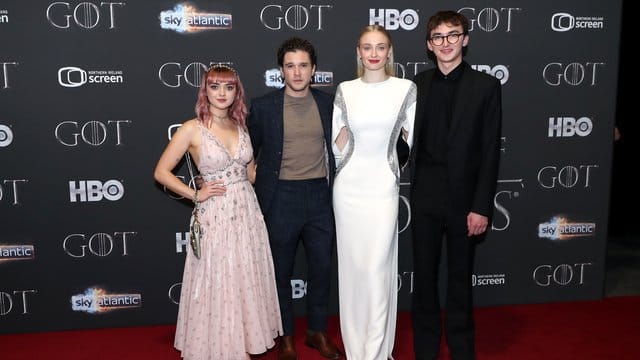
424	88
278	116
464	92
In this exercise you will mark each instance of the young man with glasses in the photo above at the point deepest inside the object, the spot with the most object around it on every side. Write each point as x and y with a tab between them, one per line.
454	175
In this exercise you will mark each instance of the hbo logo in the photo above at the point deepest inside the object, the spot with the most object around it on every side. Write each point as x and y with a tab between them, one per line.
392	19
298	288
94	190
568	126
500	72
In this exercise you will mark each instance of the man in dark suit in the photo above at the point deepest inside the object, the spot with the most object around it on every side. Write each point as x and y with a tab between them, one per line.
290	132
455	170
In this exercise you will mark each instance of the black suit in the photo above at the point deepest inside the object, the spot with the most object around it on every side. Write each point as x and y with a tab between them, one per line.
469	176
294	210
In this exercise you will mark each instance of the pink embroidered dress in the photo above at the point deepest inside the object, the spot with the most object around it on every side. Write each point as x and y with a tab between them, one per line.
228	303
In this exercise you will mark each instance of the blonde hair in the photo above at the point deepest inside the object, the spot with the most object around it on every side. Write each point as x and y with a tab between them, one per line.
389	67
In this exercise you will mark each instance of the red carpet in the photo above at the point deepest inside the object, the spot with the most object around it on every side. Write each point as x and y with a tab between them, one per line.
607	329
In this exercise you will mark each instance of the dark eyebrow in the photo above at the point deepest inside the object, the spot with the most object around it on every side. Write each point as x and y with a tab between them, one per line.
449	33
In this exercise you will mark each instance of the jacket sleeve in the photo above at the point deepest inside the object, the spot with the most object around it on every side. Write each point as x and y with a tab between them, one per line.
254	124
490	151
403	146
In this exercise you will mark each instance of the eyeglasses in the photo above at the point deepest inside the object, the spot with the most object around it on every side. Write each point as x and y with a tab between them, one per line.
451	39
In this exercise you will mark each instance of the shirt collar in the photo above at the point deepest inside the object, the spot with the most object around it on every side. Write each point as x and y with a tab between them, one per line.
453	75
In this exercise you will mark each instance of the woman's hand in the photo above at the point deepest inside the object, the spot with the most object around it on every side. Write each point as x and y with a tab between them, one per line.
211	188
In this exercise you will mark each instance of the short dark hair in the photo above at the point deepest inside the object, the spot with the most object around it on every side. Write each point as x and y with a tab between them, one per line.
295	44
447	17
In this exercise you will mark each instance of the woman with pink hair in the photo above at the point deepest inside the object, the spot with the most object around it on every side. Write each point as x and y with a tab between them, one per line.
228	303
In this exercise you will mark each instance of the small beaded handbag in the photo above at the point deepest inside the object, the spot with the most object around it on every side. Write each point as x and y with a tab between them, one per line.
195	230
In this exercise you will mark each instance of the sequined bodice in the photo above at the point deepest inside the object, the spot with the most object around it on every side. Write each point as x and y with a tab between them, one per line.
216	163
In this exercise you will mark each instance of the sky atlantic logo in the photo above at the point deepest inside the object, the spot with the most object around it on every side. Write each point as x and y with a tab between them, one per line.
566	126
4	16
394	19
500	72
560	228
16	252
273	78
562	22
294	17
6	135
97	301
71	76
95	190
186	19
83	15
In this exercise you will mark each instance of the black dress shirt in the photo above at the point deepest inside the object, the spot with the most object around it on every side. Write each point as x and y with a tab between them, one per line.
431	156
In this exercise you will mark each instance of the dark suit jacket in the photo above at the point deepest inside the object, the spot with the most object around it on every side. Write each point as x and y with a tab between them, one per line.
265	125
474	139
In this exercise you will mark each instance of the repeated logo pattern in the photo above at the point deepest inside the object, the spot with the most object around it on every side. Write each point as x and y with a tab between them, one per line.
91	91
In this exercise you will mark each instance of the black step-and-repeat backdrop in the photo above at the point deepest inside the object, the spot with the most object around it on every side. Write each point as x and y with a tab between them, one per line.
91	91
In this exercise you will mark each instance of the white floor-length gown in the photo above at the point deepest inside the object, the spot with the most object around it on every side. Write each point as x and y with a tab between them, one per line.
365	200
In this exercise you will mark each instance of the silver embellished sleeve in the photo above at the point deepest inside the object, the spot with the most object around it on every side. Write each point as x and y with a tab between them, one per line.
344	118
392	156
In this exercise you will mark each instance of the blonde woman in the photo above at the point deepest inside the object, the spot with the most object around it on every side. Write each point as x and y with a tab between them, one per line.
370	113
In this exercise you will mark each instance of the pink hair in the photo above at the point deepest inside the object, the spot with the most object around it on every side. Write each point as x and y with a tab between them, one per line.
222	74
